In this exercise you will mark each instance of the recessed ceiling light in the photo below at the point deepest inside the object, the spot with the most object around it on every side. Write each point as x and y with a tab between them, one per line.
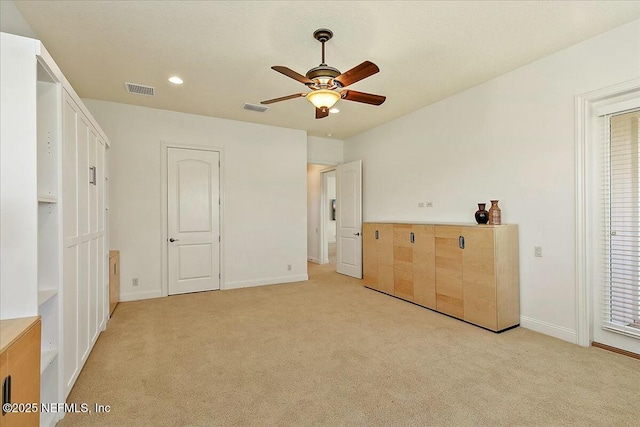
334	110
176	80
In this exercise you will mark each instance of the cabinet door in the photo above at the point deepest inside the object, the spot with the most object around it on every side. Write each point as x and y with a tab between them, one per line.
424	271
369	256
114	281
403	261
384	250
4	372
479	277
378	257
449	289
23	363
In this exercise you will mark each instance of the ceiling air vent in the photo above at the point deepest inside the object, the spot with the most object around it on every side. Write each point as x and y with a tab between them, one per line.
254	107
140	89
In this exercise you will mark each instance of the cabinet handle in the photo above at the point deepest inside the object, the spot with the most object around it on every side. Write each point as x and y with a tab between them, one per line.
461	242
412	237
377	235
6	392
92	175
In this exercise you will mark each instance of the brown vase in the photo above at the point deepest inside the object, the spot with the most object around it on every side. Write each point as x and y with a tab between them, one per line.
495	215
482	216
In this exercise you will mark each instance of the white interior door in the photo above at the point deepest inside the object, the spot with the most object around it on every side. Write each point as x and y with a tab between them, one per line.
193	214
349	219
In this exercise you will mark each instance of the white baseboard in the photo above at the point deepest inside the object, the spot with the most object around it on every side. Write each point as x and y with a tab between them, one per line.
313	259
555	331
135	296
267	281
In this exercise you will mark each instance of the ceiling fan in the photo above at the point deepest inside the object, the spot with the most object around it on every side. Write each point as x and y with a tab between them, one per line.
326	82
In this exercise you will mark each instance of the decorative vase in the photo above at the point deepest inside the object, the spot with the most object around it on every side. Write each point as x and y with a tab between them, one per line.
495	215
482	216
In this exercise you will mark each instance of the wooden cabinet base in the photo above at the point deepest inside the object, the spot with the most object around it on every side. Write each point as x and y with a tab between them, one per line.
467	272
20	371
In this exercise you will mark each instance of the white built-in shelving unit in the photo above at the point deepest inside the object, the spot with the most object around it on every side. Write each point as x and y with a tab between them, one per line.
48	140
54	240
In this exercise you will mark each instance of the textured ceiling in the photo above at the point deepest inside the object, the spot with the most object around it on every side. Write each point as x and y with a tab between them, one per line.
223	50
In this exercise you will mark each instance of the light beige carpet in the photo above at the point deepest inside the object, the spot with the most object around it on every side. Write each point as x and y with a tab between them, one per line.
330	352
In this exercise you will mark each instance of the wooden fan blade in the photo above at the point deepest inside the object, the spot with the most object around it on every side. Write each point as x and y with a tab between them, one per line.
283	98
322	113
365	98
357	73
290	73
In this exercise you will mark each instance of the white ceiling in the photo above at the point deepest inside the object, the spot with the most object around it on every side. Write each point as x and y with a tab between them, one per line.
223	50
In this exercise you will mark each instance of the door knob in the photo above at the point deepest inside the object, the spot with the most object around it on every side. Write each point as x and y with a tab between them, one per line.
356	234
173	240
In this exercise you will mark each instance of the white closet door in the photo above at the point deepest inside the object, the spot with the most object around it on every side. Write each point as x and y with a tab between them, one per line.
85	247
71	365
100	283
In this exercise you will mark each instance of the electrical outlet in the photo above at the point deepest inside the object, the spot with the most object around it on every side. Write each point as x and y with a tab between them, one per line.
420	204
289	267
135	281
429	204
537	250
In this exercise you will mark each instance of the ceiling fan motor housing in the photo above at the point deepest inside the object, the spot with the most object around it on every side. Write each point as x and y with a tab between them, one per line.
324	76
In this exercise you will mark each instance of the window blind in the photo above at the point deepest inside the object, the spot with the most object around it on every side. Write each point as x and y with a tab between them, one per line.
621	291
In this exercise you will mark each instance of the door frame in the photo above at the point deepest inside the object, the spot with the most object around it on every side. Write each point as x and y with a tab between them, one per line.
324	208
164	264
586	204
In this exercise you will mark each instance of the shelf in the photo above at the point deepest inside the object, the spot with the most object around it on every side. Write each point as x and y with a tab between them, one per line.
45	295
47	199
46	358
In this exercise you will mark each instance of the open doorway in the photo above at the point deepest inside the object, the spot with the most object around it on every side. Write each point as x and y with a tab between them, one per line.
329	208
334	216
321	214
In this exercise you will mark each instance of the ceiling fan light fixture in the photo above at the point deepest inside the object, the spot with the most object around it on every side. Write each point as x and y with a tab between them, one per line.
323	98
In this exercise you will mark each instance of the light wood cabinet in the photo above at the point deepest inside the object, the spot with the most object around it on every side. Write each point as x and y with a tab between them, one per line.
466	271
378	256
114	280
413	263
424	271
20	369
449	287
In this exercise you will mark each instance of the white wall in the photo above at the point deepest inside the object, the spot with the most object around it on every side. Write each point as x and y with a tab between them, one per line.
511	139
324	151
264	194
